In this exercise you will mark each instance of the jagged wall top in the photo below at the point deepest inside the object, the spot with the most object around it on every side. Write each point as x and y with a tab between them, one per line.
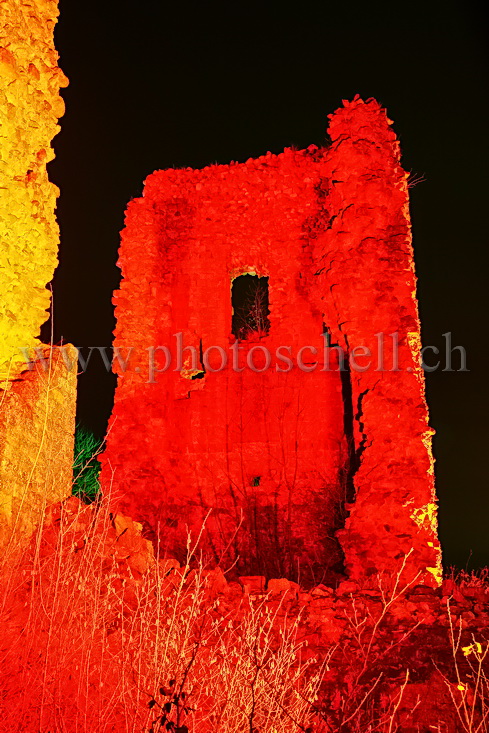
30	106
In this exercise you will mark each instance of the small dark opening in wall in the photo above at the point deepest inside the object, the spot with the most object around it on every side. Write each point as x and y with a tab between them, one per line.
255	481
200	374
327	336
250	304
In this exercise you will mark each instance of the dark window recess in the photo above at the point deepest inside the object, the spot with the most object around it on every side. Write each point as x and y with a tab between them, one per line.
255	481
249	300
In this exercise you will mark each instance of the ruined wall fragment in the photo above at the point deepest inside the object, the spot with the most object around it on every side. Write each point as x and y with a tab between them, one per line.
367	286
37	406
30	106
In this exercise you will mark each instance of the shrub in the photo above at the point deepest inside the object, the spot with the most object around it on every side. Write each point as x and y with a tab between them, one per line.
86	468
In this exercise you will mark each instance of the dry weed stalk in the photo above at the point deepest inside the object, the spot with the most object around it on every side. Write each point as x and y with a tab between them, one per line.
470	695
358	704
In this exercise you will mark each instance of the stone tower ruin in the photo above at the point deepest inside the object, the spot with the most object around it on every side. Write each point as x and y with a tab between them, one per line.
247	402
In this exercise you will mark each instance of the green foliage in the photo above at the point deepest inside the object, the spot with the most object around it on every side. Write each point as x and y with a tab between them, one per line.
86	468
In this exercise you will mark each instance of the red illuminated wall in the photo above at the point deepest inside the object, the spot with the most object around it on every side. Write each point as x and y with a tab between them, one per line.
267	457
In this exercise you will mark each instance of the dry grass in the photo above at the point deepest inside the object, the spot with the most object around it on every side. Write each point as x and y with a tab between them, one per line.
88	646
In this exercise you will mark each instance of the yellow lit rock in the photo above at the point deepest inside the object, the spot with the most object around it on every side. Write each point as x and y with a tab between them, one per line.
30	106
426	516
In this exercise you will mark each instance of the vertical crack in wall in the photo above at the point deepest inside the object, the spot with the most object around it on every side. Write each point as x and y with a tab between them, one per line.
353	459
357	451
361	427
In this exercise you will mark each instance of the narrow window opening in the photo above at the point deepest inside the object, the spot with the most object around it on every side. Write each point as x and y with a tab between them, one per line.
255	481
250	304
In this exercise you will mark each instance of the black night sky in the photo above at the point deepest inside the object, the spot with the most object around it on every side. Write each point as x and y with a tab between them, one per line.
155	84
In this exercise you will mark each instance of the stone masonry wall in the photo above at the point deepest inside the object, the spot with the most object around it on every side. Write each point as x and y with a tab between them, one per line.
259	455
